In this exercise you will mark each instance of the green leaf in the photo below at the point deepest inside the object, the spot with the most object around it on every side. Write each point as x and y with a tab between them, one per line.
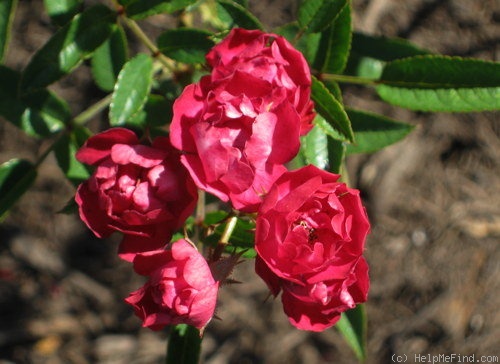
314	148
352	326
68	47
370	53
109	58
16	177
157	112
131	90
184	345
334	45
316	15
336	155
140	9
374	132
7	10
384	48
187	45
65	150
241	16
440	83
11	108
335	148
39	114
61	11
45	113
330	109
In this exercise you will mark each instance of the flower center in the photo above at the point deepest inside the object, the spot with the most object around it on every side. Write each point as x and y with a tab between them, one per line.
312	236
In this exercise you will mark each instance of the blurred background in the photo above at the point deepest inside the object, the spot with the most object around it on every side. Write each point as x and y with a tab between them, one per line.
433	199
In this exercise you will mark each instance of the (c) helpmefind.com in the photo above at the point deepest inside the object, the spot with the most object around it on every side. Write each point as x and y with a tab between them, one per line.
442	358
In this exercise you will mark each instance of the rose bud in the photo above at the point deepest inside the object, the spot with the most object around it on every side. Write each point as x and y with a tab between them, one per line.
180	289
310	236
139	190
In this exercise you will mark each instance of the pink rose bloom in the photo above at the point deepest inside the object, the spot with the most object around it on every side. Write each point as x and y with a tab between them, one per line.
269	58
142	191
310	236
180	289
240	125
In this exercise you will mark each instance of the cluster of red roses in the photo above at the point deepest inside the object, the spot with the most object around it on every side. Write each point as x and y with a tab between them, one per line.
231	135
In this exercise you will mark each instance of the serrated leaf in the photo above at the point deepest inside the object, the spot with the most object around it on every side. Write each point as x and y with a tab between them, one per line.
108	60
61	11
352	326
369	53
187	45
331	110
140	9
68	47
374	132
131	89
65	149
240	15
333	49
384	48
442	100
440	83
184	345
7	10
334	89
157	112
314	148
16	177
317	15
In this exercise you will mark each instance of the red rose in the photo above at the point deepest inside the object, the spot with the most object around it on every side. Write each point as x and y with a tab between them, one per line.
180	289
141	191
310	236
240	125
269	58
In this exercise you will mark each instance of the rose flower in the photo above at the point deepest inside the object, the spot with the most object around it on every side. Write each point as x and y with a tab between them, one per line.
310	236
142	191
180	289
238	126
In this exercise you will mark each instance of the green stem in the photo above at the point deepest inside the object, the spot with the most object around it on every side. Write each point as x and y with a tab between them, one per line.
349	79
134	27
92	111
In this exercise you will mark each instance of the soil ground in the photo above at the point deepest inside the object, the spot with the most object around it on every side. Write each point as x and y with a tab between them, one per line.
433	199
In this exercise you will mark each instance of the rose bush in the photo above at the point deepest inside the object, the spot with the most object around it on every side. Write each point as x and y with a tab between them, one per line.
142	191
310	236
239	125
180	289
